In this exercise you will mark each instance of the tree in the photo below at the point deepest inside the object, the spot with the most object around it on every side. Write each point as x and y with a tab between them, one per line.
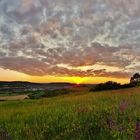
135	79
106	86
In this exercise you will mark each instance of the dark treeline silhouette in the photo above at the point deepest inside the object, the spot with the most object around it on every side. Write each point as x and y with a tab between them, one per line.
106	86
135	79
110	85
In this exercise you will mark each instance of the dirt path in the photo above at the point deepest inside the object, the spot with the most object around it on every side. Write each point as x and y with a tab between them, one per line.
15	97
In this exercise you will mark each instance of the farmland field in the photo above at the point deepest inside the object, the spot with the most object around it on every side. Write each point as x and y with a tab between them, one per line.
108	115
12	97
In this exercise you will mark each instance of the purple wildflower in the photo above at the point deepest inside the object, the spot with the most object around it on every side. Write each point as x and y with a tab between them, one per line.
137	131
111	123
123	106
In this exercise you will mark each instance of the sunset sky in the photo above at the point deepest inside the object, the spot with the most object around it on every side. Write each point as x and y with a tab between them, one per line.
80	41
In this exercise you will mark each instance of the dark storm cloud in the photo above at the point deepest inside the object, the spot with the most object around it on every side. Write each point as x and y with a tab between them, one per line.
55	37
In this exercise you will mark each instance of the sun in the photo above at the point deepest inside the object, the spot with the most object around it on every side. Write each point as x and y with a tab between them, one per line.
78	80
75	79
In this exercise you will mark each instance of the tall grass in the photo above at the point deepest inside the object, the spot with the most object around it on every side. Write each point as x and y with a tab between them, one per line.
110	115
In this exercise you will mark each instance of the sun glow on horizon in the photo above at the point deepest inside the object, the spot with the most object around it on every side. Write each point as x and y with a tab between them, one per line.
77	80
9	75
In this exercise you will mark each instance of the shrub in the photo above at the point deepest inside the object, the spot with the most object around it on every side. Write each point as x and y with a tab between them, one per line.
49	93
106	86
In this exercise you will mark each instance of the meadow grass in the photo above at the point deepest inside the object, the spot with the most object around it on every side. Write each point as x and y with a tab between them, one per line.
109	115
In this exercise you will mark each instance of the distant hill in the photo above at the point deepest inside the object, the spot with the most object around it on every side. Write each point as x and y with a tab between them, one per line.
23	86
24	83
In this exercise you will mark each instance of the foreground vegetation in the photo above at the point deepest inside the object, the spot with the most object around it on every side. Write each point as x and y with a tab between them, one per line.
109	115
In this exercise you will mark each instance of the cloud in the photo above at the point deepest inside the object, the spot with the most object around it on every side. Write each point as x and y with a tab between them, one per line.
73	38
60	61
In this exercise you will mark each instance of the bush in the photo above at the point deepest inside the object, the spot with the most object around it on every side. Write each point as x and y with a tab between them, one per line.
49	93
106	86
110	86
56	93
36	94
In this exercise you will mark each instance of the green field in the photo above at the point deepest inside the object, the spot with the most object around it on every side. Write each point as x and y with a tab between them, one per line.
109	115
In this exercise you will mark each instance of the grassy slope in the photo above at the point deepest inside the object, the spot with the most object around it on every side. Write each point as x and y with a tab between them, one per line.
110	115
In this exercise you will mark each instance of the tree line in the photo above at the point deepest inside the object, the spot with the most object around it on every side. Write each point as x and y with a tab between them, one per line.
110	85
